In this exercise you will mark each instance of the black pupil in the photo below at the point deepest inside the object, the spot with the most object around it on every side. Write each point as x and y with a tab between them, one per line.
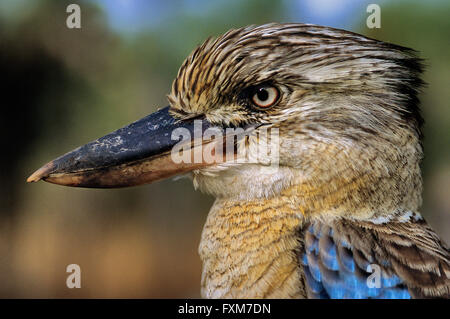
262	94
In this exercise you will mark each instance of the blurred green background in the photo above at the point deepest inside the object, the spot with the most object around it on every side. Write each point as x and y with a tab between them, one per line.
64	87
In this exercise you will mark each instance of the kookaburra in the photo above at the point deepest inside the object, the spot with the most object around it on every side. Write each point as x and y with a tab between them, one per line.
341	205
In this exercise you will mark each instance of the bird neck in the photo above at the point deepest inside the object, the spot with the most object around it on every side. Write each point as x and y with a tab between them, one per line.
250	250
250	247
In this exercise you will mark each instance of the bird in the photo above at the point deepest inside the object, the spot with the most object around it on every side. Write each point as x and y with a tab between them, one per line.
337	214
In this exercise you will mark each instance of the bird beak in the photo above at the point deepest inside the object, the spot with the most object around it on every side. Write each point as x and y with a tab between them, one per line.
137	154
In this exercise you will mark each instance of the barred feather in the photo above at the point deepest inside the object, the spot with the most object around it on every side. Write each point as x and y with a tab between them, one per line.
413	261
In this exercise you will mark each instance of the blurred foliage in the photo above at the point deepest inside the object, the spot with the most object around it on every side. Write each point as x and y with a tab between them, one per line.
65	87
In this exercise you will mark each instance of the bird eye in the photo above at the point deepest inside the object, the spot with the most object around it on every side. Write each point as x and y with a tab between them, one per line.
265	96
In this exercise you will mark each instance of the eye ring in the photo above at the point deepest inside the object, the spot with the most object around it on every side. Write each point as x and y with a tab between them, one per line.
265	96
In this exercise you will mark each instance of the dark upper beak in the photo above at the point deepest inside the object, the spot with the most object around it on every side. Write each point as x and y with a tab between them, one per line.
136	154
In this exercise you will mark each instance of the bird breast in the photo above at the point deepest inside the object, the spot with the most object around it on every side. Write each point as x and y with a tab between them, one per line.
250	250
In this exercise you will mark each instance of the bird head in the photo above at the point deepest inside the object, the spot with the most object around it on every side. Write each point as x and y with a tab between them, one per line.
341	110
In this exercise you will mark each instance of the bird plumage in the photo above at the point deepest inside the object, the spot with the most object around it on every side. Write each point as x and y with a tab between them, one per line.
350	152
337	259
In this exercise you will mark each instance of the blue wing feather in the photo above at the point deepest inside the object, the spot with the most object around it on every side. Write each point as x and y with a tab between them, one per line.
333	271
